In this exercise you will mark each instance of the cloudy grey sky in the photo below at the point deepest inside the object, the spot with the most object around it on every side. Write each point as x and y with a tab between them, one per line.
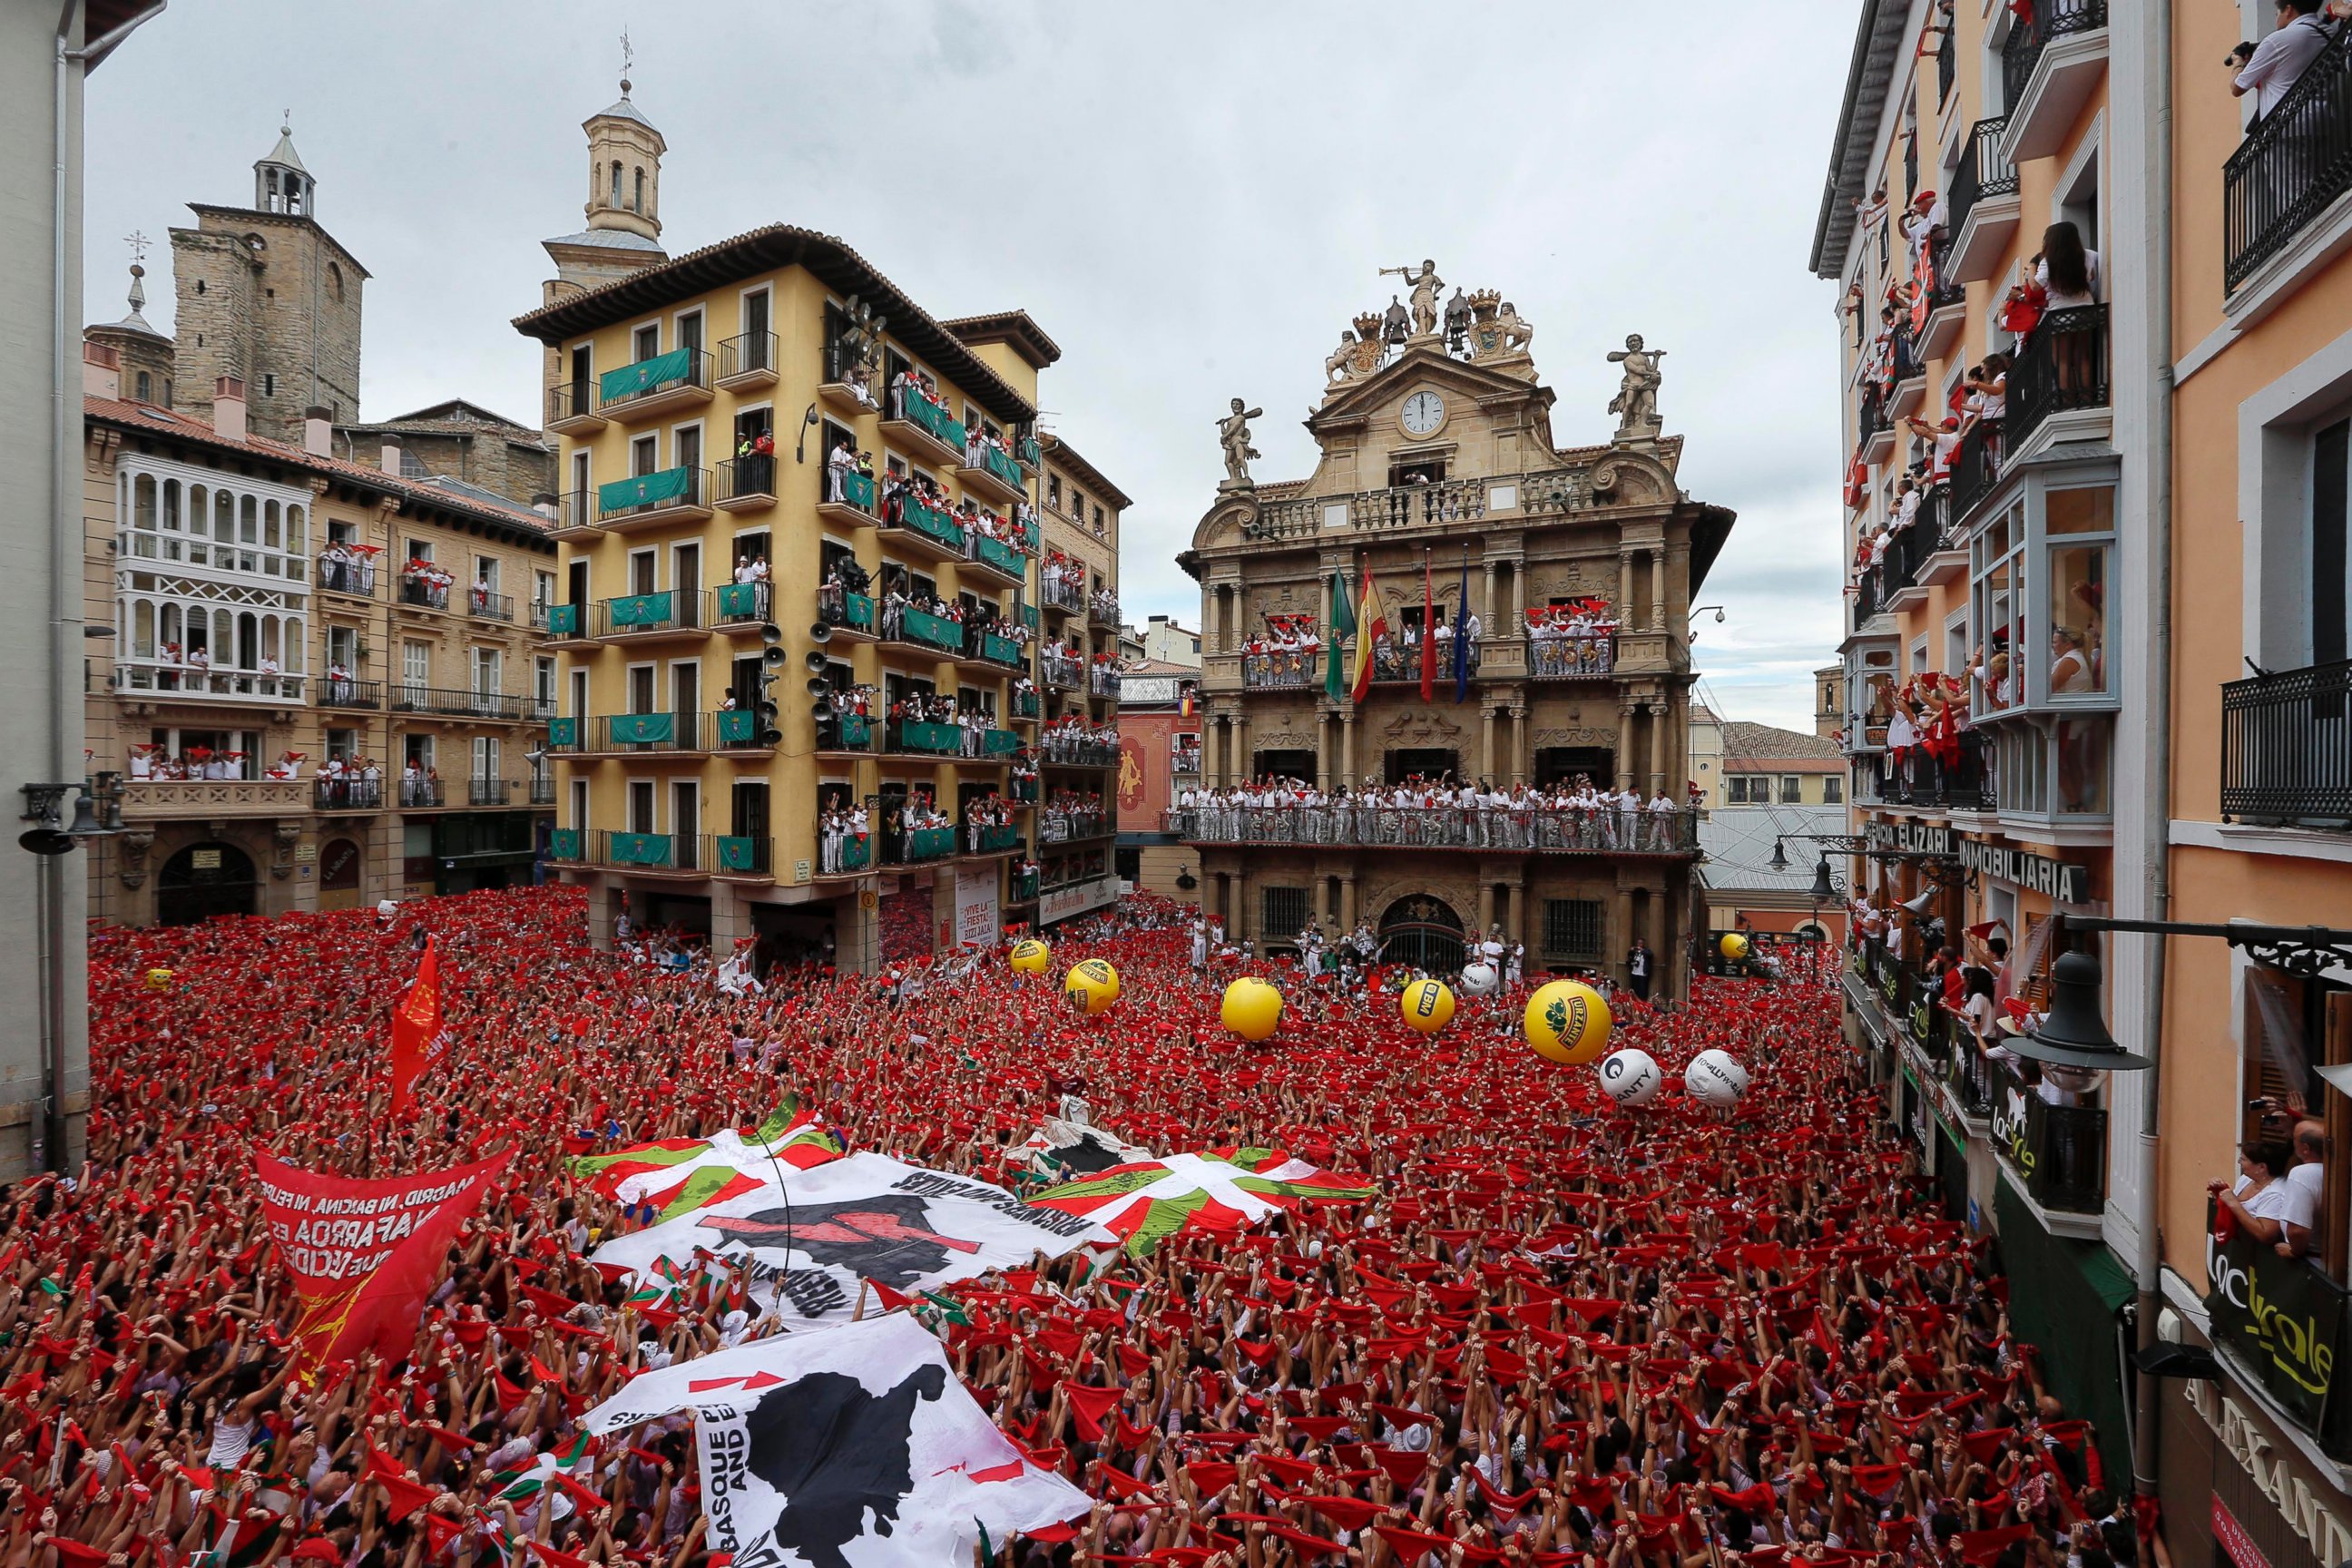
1191	198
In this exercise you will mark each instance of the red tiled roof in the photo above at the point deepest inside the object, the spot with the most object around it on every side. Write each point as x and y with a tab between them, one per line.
146	416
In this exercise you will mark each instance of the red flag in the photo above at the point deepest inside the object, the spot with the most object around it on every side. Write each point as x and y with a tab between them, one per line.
417	1041
1428	634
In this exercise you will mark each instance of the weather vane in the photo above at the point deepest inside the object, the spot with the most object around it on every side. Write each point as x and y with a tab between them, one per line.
628	59
138	242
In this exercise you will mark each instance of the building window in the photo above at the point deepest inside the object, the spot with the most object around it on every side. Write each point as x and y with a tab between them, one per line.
1284	913
1792	789
146	387
1833	790
1572	929
1054	491
269	384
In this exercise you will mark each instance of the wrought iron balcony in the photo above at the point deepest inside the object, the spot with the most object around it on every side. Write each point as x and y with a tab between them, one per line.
1965	783
1066	594
421	793
1984	171
1291	669
542	791
745	482
418	591
456	702
2287	747
2060	1151
1976	469
1075	826
484	605
747	360
652	853
1574	830
2291	166
647	615
916	846
347	793
489	791
643	500
2062	366
345	692
349	575
650	386
2032	34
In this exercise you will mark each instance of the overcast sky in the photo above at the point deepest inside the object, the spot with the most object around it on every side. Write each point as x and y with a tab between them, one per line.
1192	199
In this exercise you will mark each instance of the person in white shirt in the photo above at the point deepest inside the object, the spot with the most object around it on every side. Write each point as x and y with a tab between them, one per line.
2270	69
2309	1176
2263	1200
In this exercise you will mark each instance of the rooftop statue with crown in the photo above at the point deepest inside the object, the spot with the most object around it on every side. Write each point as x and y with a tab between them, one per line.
1482	329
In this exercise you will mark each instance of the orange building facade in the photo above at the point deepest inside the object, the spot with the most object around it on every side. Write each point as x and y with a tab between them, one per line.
2096	666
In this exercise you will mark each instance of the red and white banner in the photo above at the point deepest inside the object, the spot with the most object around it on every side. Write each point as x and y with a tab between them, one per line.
365	1255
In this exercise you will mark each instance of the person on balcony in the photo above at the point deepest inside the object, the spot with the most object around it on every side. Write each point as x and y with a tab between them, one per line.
2270	69
839	464
2263	1204
1638	965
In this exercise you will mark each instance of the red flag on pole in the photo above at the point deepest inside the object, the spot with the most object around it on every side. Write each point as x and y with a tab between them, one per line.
417	1041
1428	634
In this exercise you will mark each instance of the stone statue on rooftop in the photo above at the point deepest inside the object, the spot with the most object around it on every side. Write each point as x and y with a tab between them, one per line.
1636	402
1234	435
1423	286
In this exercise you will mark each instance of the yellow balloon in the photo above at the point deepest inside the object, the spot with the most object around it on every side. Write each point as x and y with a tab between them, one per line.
1568	1023
1734	946
1030	957
158	980
1092	986
1428	1005
1252	1009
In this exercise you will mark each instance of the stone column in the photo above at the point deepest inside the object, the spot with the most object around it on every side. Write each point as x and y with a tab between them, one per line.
1347	750
1627	731
1657	590
1486	743
1348	900
1322	750
1241	746
1323	610
1625	608
1657	745
1519	598
603	904
1487	600
1519	768
1485	909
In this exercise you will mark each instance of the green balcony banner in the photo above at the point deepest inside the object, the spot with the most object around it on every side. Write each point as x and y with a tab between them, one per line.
936	630
631	380
645	489
857	730
859	489
857	854
937	738
563	620
738	854
1004	650
1029	617
859	610
563	732
640	848
1001	465
993	840
1000	742
564	844
1004	557
2280	1315
934	524
738	727
931	843
640	609
643	729
740	599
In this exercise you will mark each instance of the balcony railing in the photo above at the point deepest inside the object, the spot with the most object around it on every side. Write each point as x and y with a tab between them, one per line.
1965	783
540	609
990	840
1006	653
841	853
939	527
644	494
345	692
1102	681
1976	469
918	846
996	555
919	628
843	609
422	792
2063	365
1062	752
847	487
2059	1150
650	379
1869	416
484	605
647	851
575	509
747	354
745	478
1291	669
2031	35
420	593
1072	826
347	793
914	738
1415	506
734	603
1026	705
839	732
1065	594
674	609
2287	747
1974	1078
1984	171
348	576
2291	166
1570	658
2285	1326
542	789
569	400
489	791
179	681
932	418
628	732
457	702
1571	831
1948	62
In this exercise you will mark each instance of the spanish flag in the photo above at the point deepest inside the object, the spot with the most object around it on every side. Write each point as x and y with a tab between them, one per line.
1371	625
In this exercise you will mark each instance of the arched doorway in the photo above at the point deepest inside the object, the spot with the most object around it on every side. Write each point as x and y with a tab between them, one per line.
205	880
1424	931
338	873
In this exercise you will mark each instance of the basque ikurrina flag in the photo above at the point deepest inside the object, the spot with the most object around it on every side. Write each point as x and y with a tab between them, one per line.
677	1175
1220	1190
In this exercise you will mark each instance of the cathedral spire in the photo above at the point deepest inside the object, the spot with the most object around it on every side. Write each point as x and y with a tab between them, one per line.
280	182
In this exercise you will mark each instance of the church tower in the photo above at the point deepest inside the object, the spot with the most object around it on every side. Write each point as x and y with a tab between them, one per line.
623	232
144	354
266	295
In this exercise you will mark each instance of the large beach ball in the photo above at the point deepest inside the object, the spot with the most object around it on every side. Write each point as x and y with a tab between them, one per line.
158	980
1631	1077
1428	1005
1030	957
1481	980
1092	986
1568	1023
1733	946
1253	1008
1714	1077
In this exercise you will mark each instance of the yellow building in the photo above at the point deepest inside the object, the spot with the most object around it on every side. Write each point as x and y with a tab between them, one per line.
798	523
2127	579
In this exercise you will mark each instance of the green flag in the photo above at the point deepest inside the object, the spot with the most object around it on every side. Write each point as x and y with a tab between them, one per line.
1343	624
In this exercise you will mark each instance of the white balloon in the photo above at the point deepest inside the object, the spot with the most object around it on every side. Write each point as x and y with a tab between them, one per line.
1630	1076
1714	1078
1480	980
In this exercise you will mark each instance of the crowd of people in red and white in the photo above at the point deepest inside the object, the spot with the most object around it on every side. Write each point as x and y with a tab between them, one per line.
1561	1335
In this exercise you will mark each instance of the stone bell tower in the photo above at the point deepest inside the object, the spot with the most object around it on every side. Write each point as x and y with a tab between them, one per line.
623	232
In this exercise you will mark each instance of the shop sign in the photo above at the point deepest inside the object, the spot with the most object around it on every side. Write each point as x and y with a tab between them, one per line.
1909	837
2061	881
2279	1316
2249	1446
1076	899
2233	1540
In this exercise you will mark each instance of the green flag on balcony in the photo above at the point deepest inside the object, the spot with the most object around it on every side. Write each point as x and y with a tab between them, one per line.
645	489
1343	624
631	380
563	620
738	727
643	729
738	854
640	848
564	844
564	732
739	599
641	609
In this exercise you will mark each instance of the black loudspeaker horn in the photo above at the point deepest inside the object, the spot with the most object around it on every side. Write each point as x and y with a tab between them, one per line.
771	633
772	737
822	632
817	688
775	659
814	660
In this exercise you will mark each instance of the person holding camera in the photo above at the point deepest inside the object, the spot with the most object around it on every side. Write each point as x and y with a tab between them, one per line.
2271	69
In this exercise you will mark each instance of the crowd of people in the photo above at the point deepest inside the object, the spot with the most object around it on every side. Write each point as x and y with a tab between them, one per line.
1079	742
1070	814
1557	1334
1577	638
1440	813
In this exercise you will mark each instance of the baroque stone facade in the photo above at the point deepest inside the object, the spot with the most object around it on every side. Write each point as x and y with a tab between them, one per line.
1437	455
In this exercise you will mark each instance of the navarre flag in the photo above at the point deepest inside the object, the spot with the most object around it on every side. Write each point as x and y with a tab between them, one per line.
856	1445
867	1216
1343	624
1371	625
418	1040
364	1255
1221	1191
679	1175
